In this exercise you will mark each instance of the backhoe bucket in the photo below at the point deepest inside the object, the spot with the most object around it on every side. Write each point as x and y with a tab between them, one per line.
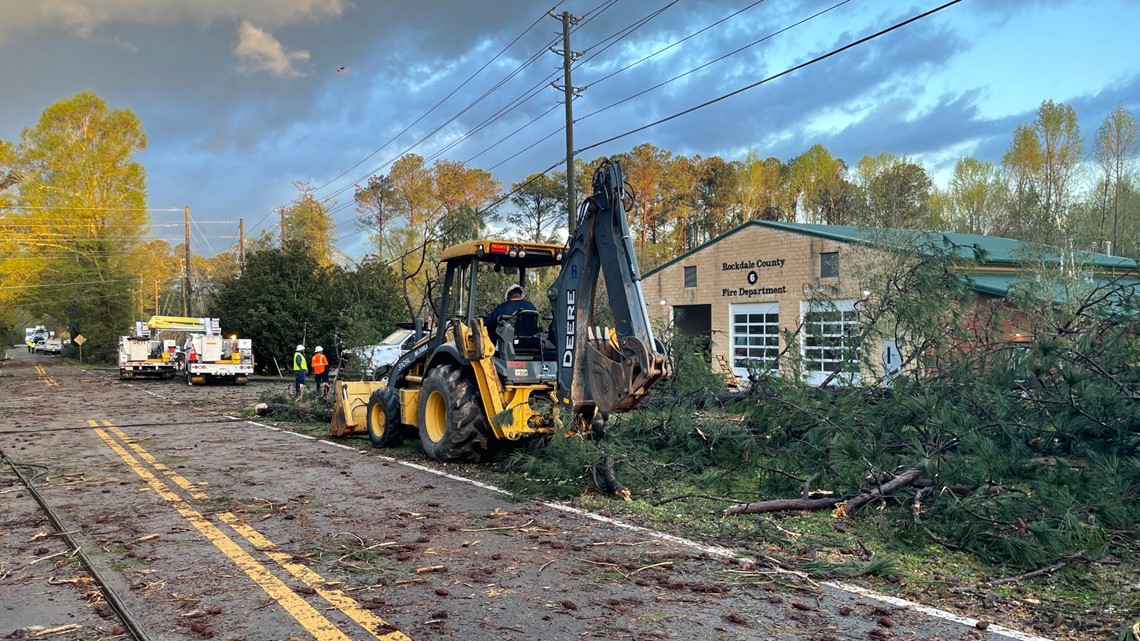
619	373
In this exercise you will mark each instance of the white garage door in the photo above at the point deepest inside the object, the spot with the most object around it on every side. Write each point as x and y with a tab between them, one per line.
755	336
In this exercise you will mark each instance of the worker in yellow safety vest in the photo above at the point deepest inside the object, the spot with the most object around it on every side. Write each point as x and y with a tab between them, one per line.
300	369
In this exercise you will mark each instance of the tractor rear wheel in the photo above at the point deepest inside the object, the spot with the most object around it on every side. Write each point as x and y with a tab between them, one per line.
453	425
383	418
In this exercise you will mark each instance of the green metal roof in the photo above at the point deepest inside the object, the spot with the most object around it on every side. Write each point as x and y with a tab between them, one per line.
994	250
1115	288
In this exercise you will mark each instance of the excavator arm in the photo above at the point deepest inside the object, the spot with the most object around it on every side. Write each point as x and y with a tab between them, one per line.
610	370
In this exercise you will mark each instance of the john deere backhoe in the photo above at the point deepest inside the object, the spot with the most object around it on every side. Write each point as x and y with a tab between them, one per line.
460	390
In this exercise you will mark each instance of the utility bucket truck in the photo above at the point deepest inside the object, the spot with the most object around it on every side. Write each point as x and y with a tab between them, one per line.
460	390
143	355
193	348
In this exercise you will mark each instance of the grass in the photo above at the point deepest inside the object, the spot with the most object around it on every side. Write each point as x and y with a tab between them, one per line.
1087	599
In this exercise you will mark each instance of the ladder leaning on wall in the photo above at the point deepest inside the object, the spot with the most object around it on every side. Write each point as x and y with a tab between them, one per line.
730	377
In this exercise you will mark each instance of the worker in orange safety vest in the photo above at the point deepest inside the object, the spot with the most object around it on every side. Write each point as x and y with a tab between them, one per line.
321	371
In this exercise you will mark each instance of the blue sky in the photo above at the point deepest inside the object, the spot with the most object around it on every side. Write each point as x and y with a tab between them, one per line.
241	99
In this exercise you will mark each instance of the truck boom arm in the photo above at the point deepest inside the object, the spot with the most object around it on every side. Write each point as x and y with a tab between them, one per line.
597	368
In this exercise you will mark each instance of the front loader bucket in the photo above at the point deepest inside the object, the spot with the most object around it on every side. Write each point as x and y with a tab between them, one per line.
619	375
349	413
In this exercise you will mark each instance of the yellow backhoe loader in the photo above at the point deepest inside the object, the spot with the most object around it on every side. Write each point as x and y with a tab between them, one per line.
461	390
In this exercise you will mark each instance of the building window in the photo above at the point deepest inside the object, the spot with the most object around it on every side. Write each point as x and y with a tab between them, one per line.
829	264
691	276
830	341
755	337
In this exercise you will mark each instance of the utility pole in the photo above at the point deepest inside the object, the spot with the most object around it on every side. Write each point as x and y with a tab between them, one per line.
186	268
156	297
569	91
282	210
241	244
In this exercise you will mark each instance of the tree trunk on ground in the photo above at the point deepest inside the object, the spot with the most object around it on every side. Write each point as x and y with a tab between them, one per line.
847	507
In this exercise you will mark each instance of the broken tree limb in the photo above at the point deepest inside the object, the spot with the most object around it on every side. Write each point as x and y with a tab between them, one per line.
781	505
612	484
807	485
1032	575
269	409
842	507
899	482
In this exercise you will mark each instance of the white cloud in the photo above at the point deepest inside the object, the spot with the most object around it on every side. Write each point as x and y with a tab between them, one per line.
258	50
82	17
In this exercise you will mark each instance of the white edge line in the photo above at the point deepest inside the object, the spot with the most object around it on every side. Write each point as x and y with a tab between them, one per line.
714	550
942	614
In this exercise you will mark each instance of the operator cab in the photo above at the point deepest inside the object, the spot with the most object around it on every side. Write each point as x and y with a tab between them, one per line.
478	272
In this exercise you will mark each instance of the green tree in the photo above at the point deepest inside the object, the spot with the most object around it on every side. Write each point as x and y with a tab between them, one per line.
540	206
284	298
679	195
819	188
762	188
1062	149
1115	149
895	193
976	197
376	203
82	216
643	168
307	220
716	195
1042	164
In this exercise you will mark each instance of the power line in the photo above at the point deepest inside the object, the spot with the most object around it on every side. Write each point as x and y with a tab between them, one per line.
676	43
524	97
513	133
81	282
637	24
433	108
542	85
203	236
441	101
11	224
714	60
514	104
87	208
785	72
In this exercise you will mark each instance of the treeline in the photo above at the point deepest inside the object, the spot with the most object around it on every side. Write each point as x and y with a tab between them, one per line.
75	248
1050	187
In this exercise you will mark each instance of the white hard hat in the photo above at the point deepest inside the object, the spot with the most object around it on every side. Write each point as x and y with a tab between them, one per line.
319	349
300	348
515	287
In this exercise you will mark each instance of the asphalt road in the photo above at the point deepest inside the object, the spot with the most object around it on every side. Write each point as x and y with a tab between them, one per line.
206	527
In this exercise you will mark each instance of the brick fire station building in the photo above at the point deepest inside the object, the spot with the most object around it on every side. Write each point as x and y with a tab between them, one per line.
744	288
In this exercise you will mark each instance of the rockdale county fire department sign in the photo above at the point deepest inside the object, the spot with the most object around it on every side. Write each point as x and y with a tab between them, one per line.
753	277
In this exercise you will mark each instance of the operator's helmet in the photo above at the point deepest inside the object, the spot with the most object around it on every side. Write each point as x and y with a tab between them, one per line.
300	348
319	349
515	288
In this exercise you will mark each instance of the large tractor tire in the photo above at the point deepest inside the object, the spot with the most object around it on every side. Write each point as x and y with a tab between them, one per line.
453	425
383	418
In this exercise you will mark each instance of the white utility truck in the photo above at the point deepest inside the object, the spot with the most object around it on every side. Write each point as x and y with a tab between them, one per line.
208	355
142	354
193	348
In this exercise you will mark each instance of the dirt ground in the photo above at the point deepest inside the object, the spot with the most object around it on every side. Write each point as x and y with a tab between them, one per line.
206	527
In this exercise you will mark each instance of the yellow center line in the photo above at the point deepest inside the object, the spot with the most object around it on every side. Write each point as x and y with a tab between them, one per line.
337	598
48	381
193	491
317	625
